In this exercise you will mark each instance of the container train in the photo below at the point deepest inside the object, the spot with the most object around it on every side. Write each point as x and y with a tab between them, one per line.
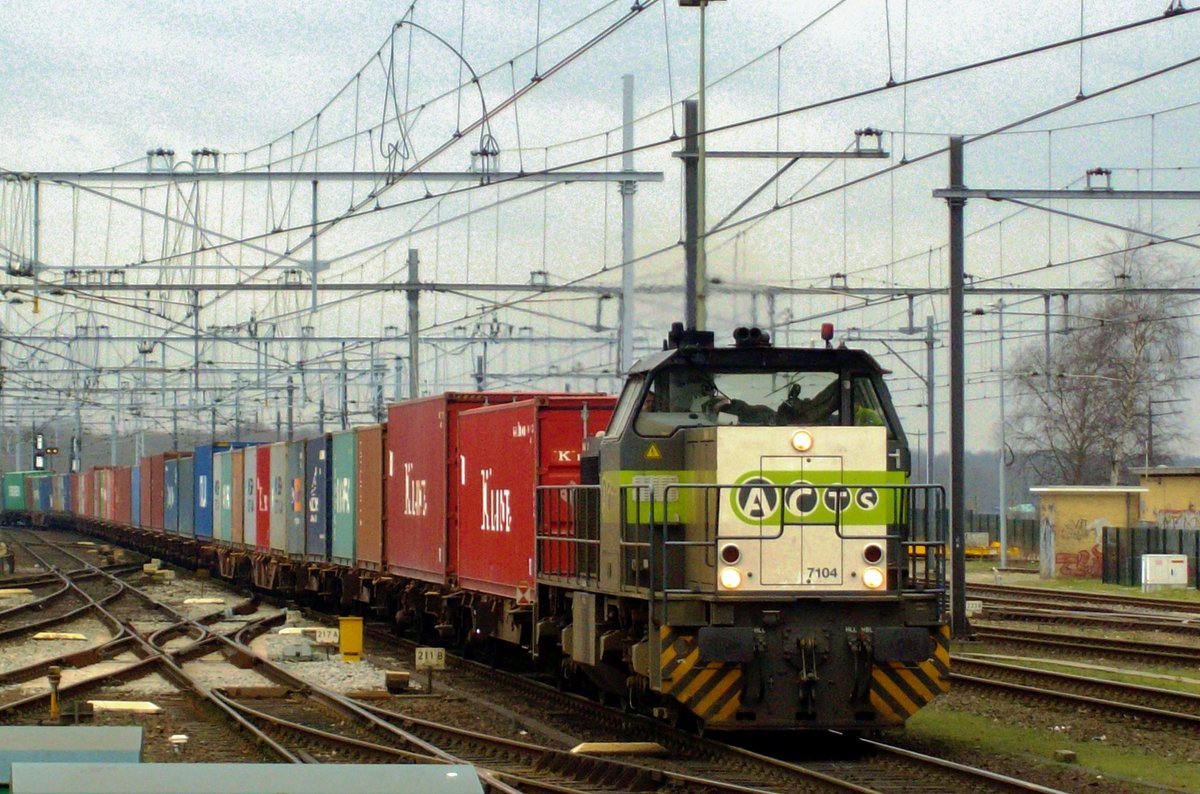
731	543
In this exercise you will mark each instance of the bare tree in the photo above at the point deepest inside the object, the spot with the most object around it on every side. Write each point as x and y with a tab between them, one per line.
1085	417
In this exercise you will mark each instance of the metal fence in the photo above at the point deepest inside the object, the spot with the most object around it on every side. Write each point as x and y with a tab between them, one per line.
1123	549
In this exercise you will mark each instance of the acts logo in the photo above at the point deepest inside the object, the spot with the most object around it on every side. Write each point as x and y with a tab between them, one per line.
757	499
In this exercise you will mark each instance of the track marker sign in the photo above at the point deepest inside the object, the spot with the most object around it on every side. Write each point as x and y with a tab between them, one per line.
430	658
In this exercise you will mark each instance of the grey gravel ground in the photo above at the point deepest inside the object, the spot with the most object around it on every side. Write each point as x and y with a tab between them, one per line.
10	601
326	669
176	592
20	653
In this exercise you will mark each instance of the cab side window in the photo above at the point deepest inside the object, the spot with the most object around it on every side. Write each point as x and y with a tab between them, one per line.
626	406
867	408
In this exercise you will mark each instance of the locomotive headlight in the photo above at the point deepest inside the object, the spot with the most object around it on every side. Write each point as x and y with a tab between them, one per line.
873	578
730	578
802	441
873	553
730	554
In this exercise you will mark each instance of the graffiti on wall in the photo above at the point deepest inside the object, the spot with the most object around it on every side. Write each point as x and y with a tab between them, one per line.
1085	563
1177	519
1079	541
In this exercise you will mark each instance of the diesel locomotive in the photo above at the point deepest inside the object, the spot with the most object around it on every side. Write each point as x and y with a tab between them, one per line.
744	550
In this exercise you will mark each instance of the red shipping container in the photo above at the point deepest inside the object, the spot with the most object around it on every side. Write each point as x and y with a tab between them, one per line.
262	498
88	480
505	453
369	493
100	492
76	481
123	489
94	493
422	462
105	492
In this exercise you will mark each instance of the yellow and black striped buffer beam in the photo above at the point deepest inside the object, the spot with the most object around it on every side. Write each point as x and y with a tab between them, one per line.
711	690
899	690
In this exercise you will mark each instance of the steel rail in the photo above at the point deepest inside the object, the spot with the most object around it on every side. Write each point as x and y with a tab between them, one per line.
274	672
1151	651
155	658
718	753
565	762
1133	710
1020	610
971	772
1060	596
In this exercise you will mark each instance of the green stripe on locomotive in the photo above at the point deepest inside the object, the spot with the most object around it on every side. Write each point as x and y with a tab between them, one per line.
813	496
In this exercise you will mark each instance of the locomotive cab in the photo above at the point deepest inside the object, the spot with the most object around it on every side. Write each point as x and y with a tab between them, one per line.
801	436
752	554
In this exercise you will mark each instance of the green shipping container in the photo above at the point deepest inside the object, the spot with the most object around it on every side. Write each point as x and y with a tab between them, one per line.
222	498
14	488
345	496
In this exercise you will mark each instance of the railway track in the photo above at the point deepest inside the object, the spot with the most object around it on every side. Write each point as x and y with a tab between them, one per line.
155	658
1075	644
1148	705
304	723
1101	602
896	770
875	767
1086	608
187	710
1007	602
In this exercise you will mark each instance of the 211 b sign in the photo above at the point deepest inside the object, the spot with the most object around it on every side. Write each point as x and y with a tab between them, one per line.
431	659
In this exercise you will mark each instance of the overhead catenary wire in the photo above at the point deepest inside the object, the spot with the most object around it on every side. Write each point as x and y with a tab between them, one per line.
175	254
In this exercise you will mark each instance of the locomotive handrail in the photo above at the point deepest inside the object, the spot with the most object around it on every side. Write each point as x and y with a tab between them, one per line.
662	528
646	535
564	555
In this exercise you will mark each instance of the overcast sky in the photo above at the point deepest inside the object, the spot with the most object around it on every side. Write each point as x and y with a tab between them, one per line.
91	85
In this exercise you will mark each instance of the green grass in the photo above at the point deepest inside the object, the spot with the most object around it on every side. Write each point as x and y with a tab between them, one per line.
980	737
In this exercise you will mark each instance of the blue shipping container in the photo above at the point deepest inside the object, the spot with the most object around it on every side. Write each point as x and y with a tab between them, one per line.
318	541
343	520
202	483
45	488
